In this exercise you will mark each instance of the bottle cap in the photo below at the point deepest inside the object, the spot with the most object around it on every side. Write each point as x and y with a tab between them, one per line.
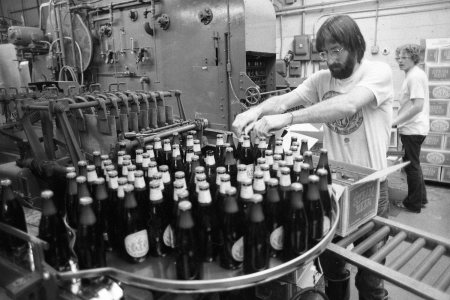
100	181
112	173
71	175
296	186
85	200
82	163
285	171
258	174
256	198
231	191
70	169
199	169
155	184
128	188
139	151
139	173
179	175
96	153
81	179
221	170
90	168
184	205
204	186
225	177
163	168
322	172
313	179
272	182
47	194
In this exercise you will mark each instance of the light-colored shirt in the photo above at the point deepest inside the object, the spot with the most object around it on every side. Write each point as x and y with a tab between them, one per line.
362	139
415	86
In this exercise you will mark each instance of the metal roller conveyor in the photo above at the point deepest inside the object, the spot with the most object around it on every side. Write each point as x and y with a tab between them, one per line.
415	281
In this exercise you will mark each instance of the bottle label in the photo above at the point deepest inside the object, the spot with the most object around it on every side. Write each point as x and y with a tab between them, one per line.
136	244
276	238
168	237
237	250
250	170
139	159
326	225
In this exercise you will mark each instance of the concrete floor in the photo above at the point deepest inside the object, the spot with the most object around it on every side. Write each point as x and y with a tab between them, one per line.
435	219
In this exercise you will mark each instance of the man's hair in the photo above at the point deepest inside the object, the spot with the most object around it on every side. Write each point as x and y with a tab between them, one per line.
413	50
343	30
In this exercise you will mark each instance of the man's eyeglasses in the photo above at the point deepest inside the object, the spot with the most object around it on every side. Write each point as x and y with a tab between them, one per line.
333	53
402	58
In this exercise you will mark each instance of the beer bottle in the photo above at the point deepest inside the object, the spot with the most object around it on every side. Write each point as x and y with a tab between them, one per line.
232	227
260	161
176	161
157	221
281	165
121	197
239	147
82	187
141	192
279	148
91	178
168	187
275	166
271	143
178	188
12	214
323	164
255	145
102	210
125	164
116	209
221	193
187	260
219	150
152	170
206	223
97	162
167	153
120	155
304	174
284	188
130	175
294	140
269	158
158	151
150	150
256	238
296	225
247	158
71	200
107	170
82	164
241	176
325	199
198	151
307	158
266	171
192	161
314	210
145	163
296	170
189	144
53	231
303	146
139	158
87	236
262	146
135	245
273	211
176	140
231	165
259	186
210	167
289	159
199	179
295	152
246	194
215	187
179	177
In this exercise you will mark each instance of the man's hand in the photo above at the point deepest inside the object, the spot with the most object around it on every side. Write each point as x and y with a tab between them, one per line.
268	124
244	122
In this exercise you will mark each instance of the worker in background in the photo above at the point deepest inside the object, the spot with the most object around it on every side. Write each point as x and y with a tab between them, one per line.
354	100
413	123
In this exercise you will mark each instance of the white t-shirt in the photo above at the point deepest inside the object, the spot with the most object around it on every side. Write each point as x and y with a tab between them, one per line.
415	86
362	139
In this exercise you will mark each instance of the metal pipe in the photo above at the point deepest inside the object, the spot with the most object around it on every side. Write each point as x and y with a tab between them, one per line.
322	6
387	249
401	260
372	240
443	281
428	263
61	37
316	5
356	235
167	133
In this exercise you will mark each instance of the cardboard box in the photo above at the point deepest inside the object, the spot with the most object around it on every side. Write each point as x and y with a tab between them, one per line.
439	91
435	157
439	73
434	141
440	108
357	189
445	174
446	143
431	172
440	125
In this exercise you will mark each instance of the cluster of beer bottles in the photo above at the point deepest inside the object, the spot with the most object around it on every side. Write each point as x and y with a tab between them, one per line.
236	205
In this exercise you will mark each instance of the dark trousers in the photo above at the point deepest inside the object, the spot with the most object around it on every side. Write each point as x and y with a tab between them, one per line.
416	185
369	285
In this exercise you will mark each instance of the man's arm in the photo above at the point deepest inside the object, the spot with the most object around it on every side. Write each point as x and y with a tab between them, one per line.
332	109
407	114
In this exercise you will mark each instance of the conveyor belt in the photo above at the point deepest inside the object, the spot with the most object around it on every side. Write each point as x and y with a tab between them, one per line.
392	272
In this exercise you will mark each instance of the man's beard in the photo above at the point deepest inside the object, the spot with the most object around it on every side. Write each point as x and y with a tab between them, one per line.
343	70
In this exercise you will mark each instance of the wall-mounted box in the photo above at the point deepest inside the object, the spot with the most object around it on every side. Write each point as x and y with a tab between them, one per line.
295	69
302	47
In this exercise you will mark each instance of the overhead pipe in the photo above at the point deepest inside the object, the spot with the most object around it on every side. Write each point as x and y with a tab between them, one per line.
308	8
